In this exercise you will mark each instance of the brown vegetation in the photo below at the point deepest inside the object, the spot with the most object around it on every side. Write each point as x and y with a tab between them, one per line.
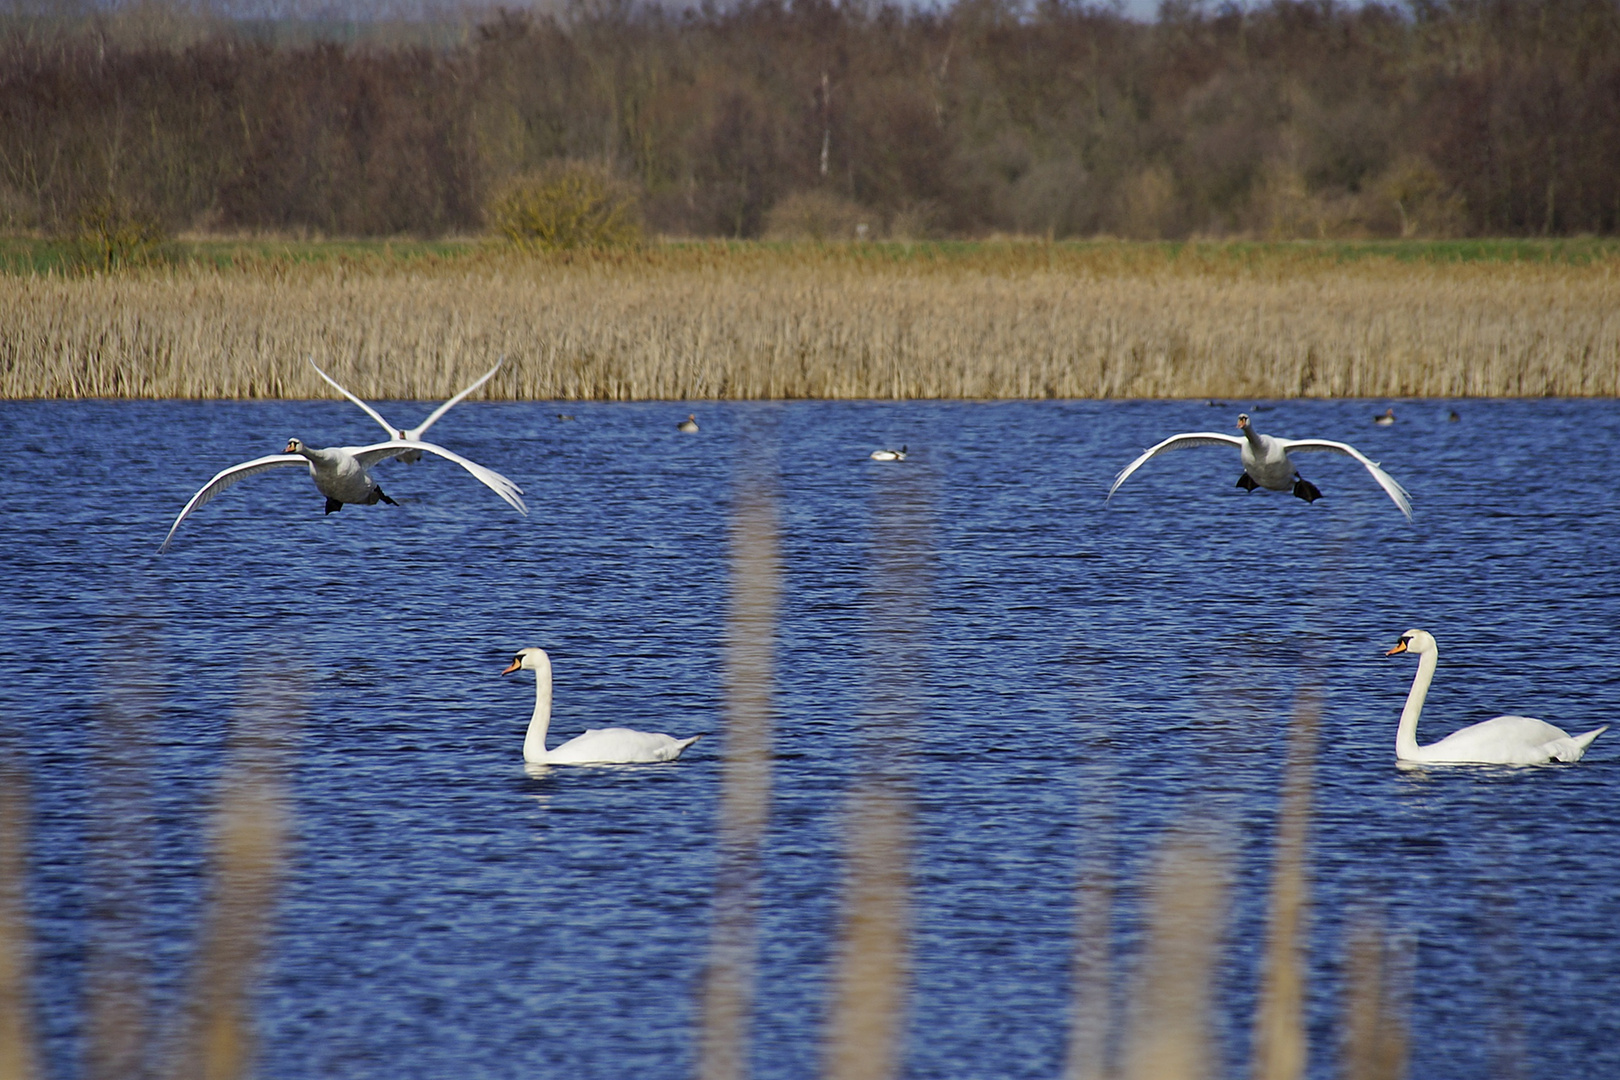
827	321
1054	118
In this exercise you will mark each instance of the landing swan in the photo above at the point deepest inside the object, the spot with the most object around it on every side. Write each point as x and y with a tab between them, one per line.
889	455
410	457
598	746
1506	740
1266	462
342	474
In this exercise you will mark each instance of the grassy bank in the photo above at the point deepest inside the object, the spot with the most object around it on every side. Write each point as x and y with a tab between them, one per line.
227	319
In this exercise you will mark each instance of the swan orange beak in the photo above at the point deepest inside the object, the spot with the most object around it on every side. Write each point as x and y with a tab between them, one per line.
513	666
1400	647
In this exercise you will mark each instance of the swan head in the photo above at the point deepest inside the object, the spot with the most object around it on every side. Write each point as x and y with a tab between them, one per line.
1414	641
294	446
1243	420
529	660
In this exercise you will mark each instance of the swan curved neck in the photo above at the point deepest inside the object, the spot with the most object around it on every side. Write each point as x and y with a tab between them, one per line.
1253	436
534	743
1406	744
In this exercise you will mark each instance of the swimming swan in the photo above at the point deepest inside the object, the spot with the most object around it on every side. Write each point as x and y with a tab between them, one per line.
410	457
1506	740
598	746
342	474
1266	463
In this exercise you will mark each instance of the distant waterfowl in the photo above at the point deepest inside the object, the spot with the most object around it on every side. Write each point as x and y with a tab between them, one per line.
411	456
1385	418
598	746
889	455
689	424
342	474
1453	418
565	416
1266	462
1505	740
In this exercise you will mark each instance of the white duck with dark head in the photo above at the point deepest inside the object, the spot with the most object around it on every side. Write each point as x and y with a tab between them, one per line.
1504	740
1266	462
598	746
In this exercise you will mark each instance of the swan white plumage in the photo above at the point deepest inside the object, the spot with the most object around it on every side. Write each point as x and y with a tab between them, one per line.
889	455
410	457
598	746
342	474
1266	462
1505	740
688	425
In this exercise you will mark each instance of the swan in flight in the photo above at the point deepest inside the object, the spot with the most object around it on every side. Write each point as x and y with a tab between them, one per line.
410	457
1506	740
1266	462
342	474
688	425
889	455
598	746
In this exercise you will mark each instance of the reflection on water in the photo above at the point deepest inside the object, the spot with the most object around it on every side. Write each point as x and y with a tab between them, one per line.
1025	700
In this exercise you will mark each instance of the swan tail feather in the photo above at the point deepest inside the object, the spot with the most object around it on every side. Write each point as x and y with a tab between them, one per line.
1583	741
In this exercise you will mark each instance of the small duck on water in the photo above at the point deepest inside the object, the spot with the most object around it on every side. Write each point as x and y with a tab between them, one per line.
689	424
889	455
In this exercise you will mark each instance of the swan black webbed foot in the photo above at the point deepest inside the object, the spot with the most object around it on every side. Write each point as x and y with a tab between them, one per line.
1246	482
1306	490
333	506
391	502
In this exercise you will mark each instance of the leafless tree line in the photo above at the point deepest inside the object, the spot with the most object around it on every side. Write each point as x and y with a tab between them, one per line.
1056	118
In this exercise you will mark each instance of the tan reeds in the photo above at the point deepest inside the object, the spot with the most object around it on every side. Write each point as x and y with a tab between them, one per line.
250	824
123	1038
745	785
19	1055
1375	1022
1170	1035
1279	1029
871	987
749	322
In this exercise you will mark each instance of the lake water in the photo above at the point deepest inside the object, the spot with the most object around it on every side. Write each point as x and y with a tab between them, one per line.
1055	680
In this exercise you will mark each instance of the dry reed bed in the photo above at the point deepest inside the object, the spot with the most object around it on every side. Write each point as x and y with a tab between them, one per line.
783	324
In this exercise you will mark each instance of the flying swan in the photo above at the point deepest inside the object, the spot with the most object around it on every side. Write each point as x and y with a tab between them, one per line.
598	746
342	474
410	457
1266	462
1506	740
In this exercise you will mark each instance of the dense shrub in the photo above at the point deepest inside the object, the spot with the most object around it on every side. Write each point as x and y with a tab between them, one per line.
570	204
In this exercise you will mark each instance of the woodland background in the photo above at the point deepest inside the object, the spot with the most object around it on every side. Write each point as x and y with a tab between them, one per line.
766	117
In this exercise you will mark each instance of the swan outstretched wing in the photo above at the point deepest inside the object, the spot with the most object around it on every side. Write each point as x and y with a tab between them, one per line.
416	432
1385	481
500	485
1175	442
224	479
393	432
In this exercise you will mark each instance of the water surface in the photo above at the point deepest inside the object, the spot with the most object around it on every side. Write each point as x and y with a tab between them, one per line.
1057	679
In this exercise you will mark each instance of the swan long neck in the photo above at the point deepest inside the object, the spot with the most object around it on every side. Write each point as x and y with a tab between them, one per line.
534	743
1253	436
1406	744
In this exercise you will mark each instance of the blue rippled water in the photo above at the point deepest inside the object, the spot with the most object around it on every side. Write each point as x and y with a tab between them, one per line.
1082	676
